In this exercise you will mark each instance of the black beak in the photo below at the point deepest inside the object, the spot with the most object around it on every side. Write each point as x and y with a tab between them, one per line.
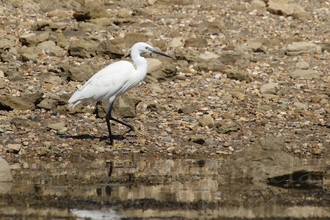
160	53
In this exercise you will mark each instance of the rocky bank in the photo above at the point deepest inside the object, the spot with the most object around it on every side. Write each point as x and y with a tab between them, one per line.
243	70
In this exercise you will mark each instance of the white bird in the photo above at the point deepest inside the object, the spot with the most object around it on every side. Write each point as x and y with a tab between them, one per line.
114	80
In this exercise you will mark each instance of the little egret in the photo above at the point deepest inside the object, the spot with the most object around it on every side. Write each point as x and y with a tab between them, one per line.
114	80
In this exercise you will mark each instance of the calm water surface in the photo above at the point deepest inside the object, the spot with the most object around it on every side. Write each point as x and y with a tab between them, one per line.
177	189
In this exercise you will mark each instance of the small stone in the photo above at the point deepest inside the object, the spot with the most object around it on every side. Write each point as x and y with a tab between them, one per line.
238	75
302	65
258	3
144	150
269	88
14	148
222	152
300	105
61	132
197	139
151	2
124	13
56	151
187	109
297	151
206	120
228	127
227	144
100	149
57	126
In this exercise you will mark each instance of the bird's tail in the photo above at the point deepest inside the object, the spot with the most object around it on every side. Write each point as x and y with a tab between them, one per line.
74	100
71	105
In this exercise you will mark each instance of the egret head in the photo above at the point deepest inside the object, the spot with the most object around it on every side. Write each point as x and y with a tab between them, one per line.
146	48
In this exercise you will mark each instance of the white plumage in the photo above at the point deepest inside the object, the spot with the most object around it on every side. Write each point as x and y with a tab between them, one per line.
114	80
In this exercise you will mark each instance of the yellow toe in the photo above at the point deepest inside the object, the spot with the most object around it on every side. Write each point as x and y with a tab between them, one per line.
140	133
118	145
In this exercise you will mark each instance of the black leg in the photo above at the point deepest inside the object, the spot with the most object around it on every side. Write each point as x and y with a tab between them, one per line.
109	117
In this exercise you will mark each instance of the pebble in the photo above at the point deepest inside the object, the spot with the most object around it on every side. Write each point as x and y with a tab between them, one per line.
15	148
57	126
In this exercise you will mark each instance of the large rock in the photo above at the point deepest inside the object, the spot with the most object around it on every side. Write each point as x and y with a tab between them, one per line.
60	13
304	74
90	11
46	45
214	65
25	102
62	41
283	7
135	37
23	122
50	5
167	71
236	58
5	174
29	39
107	48
6	44
153	65
188	55
41	25
267	160
83	49
48	104
195	42
297	48
214	27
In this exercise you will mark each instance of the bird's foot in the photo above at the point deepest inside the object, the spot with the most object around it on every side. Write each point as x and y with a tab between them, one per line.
140	133
119	145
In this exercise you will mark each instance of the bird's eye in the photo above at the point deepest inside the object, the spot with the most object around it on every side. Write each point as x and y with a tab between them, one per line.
147	48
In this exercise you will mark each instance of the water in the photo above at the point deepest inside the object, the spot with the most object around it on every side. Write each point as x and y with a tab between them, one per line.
150	189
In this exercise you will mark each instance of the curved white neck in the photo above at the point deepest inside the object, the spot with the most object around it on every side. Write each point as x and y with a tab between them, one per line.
140	62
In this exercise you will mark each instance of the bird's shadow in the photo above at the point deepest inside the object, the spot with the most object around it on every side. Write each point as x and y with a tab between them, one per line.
91	137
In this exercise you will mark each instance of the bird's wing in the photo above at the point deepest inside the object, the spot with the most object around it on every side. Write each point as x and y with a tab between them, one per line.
104	84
